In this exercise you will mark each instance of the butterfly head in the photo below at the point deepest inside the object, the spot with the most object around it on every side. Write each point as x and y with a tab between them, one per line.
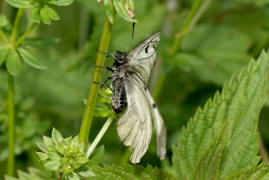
120	57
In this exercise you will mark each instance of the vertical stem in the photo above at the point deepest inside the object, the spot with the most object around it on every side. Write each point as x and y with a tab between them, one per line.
99	136
97	74
197	10
15	29
10	166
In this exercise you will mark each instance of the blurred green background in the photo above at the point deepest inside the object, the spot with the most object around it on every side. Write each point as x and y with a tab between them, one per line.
224	39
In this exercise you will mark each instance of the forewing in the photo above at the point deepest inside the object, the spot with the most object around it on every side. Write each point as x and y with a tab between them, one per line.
134	127
142	58
159	127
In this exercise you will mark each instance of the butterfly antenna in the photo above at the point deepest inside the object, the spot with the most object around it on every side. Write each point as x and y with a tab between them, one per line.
107	54
131	43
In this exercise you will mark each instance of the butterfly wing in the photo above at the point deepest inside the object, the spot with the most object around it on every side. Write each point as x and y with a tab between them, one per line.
142	58
134	126
159	126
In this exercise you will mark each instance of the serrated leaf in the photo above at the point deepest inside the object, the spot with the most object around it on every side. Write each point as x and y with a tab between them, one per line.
3	54
3	20
56	136
128	172
239	103
122	11
260	173
31	59
35	15
13	63
51	13
61	2
20	3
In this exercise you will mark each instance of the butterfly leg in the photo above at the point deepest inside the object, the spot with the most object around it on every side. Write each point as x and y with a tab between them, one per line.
105	67
104	83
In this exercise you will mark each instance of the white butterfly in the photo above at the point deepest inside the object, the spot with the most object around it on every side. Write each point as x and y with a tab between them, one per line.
132	98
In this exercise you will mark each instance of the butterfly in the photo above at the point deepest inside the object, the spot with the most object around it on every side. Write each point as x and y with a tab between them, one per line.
132	99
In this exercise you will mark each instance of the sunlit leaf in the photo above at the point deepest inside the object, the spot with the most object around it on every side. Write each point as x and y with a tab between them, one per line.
237	107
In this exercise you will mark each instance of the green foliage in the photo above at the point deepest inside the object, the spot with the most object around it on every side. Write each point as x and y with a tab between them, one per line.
221	139
64	156
129	172
33	174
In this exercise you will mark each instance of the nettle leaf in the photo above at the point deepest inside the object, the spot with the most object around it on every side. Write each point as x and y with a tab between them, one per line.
61	2
206	148
3	20
261	173
20	3
13	62
128	172
123	11
31	59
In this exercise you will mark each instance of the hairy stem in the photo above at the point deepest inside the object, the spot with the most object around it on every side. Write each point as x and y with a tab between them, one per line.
97	74
99	136
15	29
197	10
10	166
26	33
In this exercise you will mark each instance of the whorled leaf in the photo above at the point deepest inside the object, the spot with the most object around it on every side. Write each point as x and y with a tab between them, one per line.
20	3
238	106
13	62
31	59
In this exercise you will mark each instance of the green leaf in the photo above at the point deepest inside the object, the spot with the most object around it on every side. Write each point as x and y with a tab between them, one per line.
122	11
47	141
61	2
109	10
40	42
35	15
51	13
44	16
260	173
129	172
238	106
20	3
210	60
3	20
3	54
31	59
56	136
13	63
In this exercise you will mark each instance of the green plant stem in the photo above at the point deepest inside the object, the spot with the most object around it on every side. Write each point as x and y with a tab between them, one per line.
26	33
97	74
10	166
3	36
15	29
99	136
197	10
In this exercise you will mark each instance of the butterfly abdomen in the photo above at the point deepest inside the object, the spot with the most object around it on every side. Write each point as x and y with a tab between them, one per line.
119	100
